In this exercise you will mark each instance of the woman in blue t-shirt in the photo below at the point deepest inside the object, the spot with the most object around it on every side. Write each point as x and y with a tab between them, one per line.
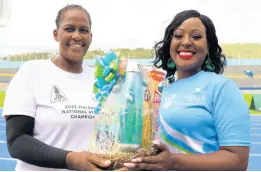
204	120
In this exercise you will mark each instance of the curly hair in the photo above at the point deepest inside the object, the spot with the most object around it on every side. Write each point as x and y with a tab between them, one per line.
162	48
61	12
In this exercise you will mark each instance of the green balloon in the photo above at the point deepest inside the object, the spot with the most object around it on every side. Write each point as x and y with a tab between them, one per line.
114	65
109	77
95	88
98	71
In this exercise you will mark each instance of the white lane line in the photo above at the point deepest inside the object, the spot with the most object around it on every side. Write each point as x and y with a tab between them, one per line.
255	125
8	159
255	154
257	121
2	141
255	128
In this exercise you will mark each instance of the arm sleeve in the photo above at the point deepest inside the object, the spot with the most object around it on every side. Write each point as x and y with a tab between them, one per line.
231	116
19	98
22	145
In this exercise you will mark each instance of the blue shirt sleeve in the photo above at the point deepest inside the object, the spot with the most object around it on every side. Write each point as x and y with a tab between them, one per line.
231	116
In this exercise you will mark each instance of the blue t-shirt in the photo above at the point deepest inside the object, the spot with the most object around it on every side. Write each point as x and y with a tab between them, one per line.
200	113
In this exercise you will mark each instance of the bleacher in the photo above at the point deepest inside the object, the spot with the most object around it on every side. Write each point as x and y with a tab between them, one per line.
235	72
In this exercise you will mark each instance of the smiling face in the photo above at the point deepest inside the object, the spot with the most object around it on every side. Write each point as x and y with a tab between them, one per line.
189	46
74	35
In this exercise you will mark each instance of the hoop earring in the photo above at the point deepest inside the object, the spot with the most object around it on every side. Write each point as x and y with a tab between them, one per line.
209	64
171	64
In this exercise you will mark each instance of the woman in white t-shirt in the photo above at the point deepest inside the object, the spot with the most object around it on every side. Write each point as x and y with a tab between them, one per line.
49	106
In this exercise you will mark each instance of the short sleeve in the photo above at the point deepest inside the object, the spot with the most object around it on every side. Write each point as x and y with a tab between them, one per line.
19	98
231	116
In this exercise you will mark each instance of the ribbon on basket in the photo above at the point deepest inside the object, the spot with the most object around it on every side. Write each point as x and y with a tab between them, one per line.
107	71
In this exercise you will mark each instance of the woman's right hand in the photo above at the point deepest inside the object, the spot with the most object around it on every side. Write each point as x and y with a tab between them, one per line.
86	161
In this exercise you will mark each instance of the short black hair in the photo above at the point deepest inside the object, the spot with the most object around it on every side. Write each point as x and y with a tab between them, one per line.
162	48
67	8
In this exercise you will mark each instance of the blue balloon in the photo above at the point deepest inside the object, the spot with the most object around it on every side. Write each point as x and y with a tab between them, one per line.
113	81
106	71
105	87
105	61
112	56
106	94
100	82
98	95
101	98
97	110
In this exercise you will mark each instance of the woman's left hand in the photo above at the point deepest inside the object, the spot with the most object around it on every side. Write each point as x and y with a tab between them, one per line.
162	161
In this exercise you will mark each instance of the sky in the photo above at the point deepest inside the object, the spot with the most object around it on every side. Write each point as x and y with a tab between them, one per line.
126	23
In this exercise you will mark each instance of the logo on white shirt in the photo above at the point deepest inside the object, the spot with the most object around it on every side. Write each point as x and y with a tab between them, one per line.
57	95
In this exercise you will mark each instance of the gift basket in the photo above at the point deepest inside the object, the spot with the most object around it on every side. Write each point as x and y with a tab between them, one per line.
128	96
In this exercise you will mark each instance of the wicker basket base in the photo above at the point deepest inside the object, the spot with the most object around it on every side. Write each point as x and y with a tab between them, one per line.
118	159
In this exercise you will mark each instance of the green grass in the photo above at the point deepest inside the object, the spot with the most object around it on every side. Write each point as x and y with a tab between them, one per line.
2	98
254	112
248	99
249	51
240	50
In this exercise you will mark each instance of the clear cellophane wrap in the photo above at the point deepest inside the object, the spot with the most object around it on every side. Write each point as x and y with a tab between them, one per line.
128	120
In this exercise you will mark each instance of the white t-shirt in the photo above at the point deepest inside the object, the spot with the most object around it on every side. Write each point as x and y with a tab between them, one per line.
61	102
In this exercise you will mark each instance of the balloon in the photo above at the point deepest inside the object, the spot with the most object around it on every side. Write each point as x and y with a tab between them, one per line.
100	82
106	71
95	88
114	65
110	77
98	70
